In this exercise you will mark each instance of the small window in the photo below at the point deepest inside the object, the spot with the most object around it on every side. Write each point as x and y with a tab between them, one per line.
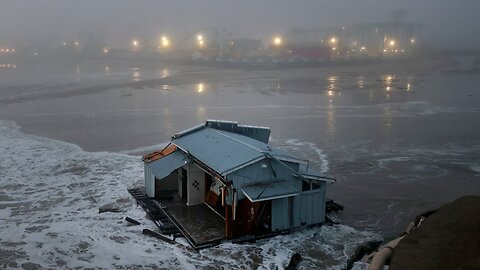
315	185
305	185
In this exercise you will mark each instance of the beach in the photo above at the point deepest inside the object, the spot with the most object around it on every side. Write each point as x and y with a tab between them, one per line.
400	138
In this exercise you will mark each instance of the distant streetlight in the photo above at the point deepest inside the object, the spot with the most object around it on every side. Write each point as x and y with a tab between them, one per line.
277	41
392	42
333	40
200	87
105	50
165	42
135	43
200	41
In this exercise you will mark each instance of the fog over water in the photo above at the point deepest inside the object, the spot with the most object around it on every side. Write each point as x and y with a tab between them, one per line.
444	23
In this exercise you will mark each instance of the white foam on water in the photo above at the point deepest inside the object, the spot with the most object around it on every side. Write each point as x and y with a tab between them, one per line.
475	168
299	147
50	192
384	161
409	168
360	265
408	163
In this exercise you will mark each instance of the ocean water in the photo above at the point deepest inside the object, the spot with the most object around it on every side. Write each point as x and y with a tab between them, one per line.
50	192
400	140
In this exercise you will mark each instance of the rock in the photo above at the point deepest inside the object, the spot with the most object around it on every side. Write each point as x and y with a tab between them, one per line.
294	261
448	239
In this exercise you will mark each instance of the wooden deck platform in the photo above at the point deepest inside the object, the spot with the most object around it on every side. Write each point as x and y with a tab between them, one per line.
199	224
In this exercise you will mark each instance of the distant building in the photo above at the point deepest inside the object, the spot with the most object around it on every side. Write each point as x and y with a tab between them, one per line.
310	52
222	180
245	48
375	39
385	38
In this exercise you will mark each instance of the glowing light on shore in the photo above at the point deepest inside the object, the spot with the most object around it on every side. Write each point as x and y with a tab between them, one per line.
277	41
165	42
200	87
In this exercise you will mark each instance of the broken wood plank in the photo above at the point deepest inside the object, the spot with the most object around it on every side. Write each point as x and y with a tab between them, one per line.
158	236
131	220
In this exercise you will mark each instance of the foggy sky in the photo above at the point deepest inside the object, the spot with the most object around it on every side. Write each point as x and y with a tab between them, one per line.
445	23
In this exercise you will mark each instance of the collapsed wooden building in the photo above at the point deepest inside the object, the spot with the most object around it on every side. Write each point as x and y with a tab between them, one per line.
222	180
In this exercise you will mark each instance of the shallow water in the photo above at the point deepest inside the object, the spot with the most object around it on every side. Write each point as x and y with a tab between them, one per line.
398	140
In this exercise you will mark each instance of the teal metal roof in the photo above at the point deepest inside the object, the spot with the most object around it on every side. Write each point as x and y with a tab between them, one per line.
255	132
227	147
164	166
217	150
224	151
315	175
270	190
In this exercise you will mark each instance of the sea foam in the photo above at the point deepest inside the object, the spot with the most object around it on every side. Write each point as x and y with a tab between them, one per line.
50	192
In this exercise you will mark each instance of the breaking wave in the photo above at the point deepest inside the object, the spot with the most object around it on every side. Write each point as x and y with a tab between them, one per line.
50	192
309	151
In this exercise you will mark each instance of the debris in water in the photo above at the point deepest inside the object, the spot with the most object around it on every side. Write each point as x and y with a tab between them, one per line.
131	220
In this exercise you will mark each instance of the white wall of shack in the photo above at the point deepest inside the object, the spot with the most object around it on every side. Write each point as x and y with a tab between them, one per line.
149	181
195	185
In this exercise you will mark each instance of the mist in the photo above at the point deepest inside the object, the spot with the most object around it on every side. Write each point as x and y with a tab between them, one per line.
444	24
